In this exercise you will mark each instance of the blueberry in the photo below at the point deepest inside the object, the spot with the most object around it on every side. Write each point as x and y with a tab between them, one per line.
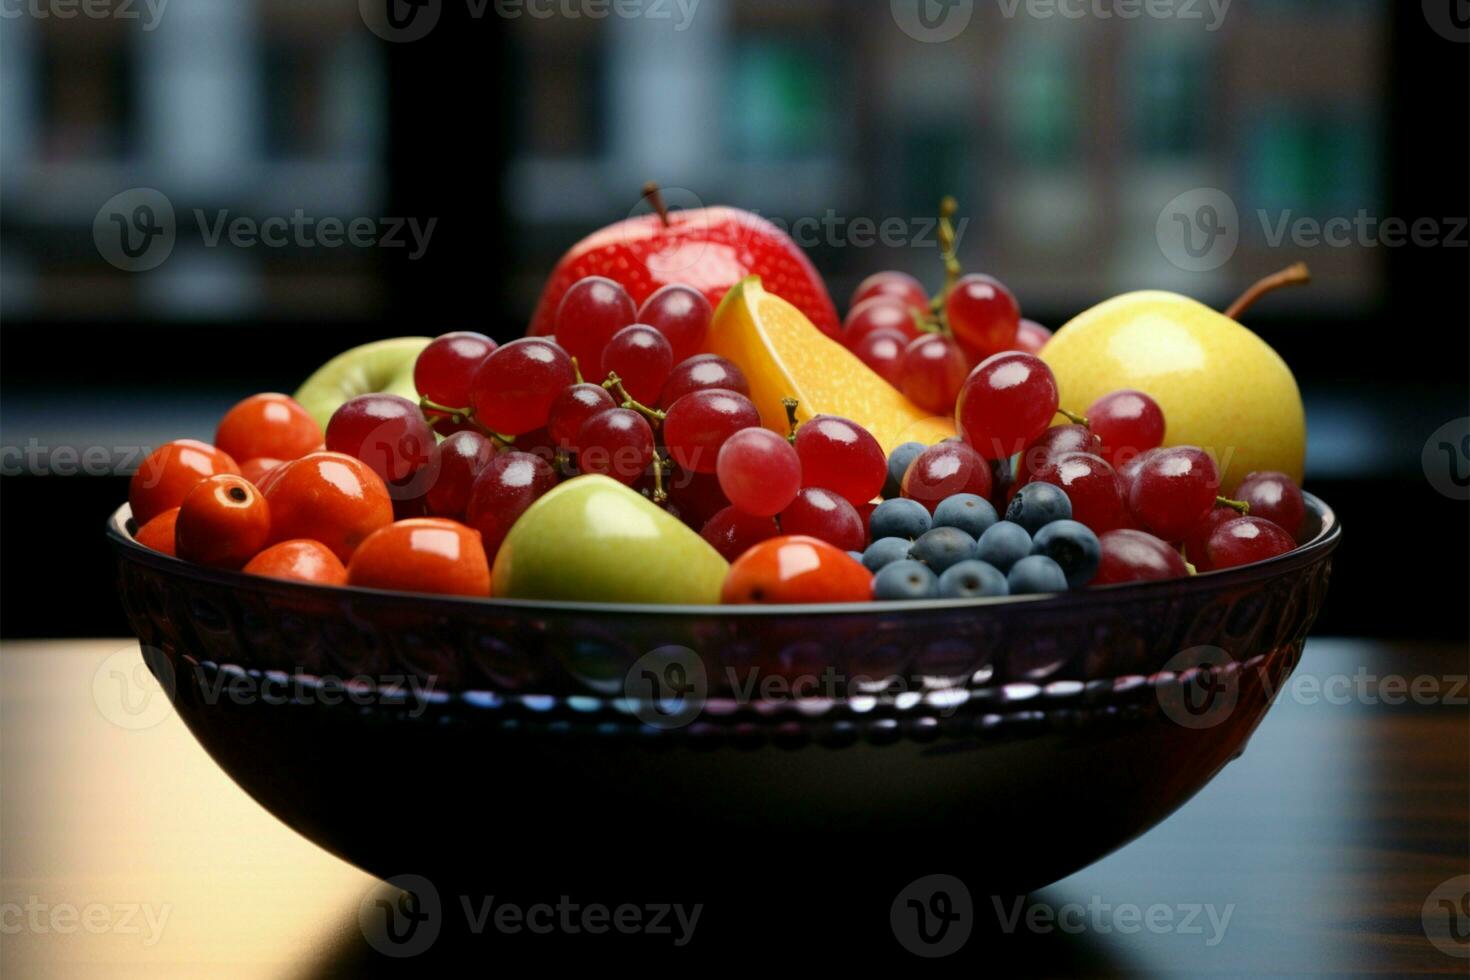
1073	547
1004	544
856	556
899	518
1034	574
972	579
943	547
898	465
885	551
1038	504
905	580
969	513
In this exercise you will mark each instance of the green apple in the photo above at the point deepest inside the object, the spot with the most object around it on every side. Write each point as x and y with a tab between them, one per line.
383	365
1221	387
592	539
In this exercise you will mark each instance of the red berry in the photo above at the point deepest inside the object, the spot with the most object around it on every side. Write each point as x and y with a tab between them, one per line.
1274	497
682	314
1052	444
1094	487
759	471
1174	490
932	372
733	532
1031	337
1243	540
513	389
1007	401
1199	536
455	464
387	432
699	423
878	313
1128	423
575	405
642	358
443	370
882	351
943	470
700	372
824	515
507	485
983	314
900	285
1136	556
592	310
694	497
841	456
616	442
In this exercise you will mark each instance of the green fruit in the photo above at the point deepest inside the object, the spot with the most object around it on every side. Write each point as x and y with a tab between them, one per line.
384	365
591	539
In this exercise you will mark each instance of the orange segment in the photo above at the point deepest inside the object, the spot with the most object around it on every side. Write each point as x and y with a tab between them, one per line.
784	355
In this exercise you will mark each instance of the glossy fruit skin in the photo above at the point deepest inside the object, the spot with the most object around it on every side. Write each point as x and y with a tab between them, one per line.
710	249
841	456
943	470
733	532
822	514
1243	540
694	497
882	350
455	464
700	372
1128	423
885	551
900	518
328	497
509	483
1006	402
941	547
573	406
299	560
642	358
1174	490
1051	444
759	472
512	390
905	581
223	522
1274	497
972	579
257	469
424	554
879	313
795	569
932	372
1038	504
1195	542
682	314
1129	555
170	472
1003	545
699	423
387	432
592	310
268	424
899	462
983	314
970	513
443	370
1073	546
616	442
1031	337
892	283
1034	575
158	533
1093	487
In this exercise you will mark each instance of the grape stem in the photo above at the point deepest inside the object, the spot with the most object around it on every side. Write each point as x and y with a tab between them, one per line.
947	245
614	384
655	198
459	416
791	423
1074	418
1295	275
660	495
1239	506
577	370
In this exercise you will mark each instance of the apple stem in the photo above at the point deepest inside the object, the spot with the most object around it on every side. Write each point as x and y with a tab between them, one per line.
614	384
1294	275
1239	506
1075	418
790	404
656	199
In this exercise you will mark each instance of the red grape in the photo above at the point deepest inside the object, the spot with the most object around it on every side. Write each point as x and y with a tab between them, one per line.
1094	487
983	315
1031	337
1128	423
387	432
732	532
882	351
1051	444
932	372
455	464
575	405
1136	556
680	313
759	471
443	370
591	311
700	372
841	456
694	497
642	358
699	423
878	313
616	442
1275	497
507	485
513	389
1007	401
1242	540
1199	536
897	284
1174	490
943	470
822	514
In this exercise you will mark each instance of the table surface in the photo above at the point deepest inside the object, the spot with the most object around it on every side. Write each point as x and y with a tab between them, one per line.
1338	843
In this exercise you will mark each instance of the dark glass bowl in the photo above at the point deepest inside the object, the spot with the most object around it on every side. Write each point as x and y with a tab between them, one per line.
838	747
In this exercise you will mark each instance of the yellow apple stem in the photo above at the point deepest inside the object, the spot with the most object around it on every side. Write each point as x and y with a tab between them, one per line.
791	404
1239	506
1295	275
614	384
656	200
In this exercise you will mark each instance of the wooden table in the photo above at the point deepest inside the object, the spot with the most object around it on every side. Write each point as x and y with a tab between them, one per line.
125	852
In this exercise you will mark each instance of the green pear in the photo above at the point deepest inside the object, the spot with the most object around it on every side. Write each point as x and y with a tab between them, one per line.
384	365
591	539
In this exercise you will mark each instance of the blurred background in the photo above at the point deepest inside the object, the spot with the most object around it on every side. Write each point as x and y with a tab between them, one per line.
492	134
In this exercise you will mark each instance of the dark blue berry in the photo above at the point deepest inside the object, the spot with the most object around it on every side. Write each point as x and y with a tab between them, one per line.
899	518
898	465
1072	546
1035	574
905	580
943	547
856	556
972	580
1004	544
966	511
1038	504
886	551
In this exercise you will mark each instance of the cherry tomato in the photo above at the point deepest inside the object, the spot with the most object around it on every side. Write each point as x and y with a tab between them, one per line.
327	497
269	424
795	568
158	533
299	560
257	469
423	554
223	521
170	472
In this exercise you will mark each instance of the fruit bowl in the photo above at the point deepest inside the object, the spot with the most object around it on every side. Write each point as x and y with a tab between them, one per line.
836	747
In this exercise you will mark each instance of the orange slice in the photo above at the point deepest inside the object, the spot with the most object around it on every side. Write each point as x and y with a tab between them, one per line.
784	355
